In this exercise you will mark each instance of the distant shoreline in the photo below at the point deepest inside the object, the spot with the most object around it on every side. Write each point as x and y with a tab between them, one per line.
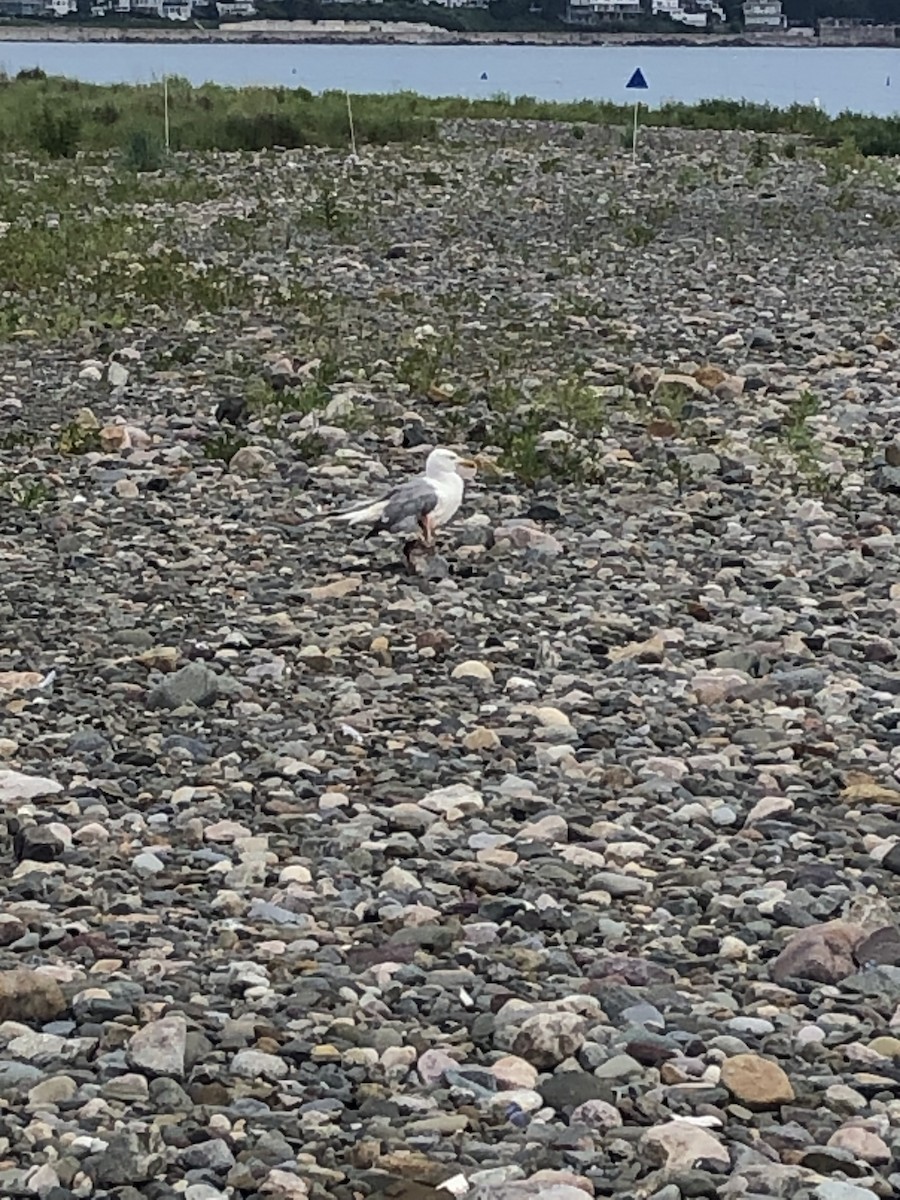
401	34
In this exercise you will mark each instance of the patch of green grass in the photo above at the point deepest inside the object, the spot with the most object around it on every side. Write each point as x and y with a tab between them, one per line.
12	439
60	117
59	276
224	446
520	427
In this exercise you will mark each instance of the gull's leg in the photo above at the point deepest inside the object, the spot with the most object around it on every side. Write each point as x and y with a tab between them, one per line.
427	527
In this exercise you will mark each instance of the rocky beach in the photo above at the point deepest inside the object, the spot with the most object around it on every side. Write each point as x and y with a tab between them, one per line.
566	866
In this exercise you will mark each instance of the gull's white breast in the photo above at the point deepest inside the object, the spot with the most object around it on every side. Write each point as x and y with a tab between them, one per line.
449	490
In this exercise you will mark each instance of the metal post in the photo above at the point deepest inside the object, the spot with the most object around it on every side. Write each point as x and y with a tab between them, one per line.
166	109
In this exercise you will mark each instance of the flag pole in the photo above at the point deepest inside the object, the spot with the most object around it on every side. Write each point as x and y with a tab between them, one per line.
352	130
637	81
634	133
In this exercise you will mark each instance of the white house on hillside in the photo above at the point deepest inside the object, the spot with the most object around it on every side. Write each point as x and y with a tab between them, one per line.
764	14
232	9
693	13
588	12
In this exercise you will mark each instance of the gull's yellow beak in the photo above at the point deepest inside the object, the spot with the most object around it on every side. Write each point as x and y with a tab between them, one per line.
484	462
471	464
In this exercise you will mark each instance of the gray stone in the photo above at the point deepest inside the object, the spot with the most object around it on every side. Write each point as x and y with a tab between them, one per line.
195	683
159	1047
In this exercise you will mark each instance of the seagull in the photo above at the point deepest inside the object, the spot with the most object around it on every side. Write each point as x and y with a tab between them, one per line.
426	501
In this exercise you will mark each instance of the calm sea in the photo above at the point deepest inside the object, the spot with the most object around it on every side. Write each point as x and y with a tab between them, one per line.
862	80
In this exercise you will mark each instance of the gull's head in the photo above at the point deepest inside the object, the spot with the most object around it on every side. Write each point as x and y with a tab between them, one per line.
443	462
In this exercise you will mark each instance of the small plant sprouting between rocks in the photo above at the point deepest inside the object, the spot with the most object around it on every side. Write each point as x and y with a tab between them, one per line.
310	448
759	155
78	438
419	367
306	396
638	234
329	210
842	161
224	446
795	431
799	438
24	493
671	398
649	224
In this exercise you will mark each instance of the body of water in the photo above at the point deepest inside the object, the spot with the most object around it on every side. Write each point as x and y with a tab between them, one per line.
863	80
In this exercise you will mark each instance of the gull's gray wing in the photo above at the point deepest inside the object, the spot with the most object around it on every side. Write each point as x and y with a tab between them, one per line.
407	505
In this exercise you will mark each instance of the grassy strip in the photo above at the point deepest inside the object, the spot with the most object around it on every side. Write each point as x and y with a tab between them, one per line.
59	117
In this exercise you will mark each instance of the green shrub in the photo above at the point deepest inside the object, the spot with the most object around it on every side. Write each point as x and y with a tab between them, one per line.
143	152
57	130
260	131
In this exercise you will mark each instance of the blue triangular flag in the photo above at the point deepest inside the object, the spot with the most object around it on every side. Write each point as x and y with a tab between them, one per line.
637	80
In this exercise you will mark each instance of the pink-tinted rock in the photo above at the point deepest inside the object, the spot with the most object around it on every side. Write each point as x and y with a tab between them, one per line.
433	1063
679	1146
769	806
719	683
861	1142
514	1072
822	953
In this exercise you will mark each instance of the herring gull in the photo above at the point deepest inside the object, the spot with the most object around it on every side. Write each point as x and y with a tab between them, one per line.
427	501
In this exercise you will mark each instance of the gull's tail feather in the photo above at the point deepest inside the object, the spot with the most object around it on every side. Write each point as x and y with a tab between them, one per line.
355	516
371	511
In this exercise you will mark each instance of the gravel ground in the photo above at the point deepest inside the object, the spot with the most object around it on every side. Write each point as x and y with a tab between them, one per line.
564	867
